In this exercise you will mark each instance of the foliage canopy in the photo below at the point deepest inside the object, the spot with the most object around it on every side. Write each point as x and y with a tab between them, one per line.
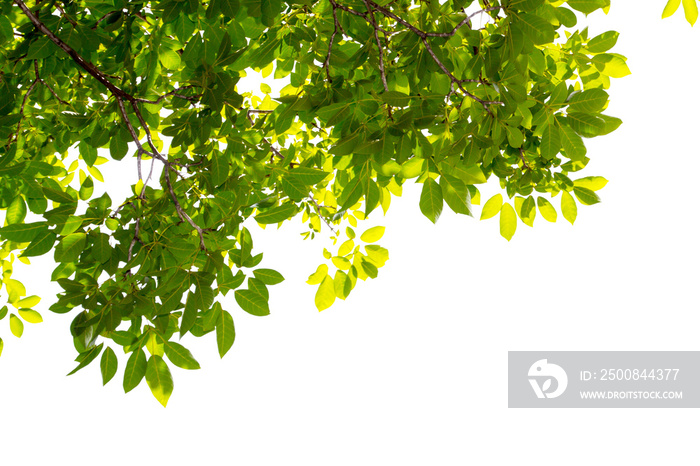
443	94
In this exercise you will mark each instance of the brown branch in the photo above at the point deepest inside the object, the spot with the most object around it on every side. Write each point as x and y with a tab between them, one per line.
336	26
522	158
68	18
36	72
174	93
317	208
21	110
380	50
87	66
484	103
180	212
466	20
94	26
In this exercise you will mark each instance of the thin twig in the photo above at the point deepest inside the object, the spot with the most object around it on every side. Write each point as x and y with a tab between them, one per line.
317	208
336	26
68	18
380	50
36	72
174	93
466	20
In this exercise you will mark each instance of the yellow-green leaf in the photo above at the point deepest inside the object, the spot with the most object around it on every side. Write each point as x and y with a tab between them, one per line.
508	222
341	262
30	316
568	207
492	207
342	284
670	8
325	295
159	379
547	209
594	183
690	7
29	301
16	326
373	234
180	356
346	247
318	276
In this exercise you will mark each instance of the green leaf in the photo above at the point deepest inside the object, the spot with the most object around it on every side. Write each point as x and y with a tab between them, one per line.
413	168
70	247
508	222
572	143
42	48
351	193
308	176
118	148
30	316
294	187
87	357
180	356
585	124
568	207
159	379
612	65
670	8
225	333
586	196
135	369
229	7
586	6
538	29
276	214
525	208
219	169
347	145
169	59
515	136
551	141
108	365
2	345
547	209
325	295
525	5
41	244
23	232
455	194
396	99
594	183
690	8
611	124
16	211
16	326
589	101
492	207
431	202
268	276
252	302
603	42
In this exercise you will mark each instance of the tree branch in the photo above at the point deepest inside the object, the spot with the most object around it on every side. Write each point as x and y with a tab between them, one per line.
336	26
120	97
317	208
380	50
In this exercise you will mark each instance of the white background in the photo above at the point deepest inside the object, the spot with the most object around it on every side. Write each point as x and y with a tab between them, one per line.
411	369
